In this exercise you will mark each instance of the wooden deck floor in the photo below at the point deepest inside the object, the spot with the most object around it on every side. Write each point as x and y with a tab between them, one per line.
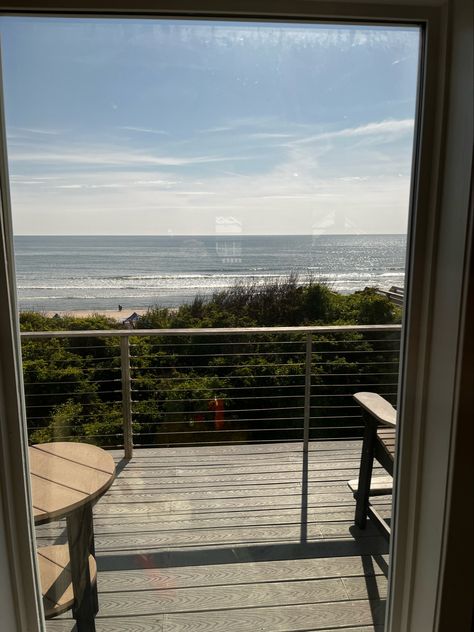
235	539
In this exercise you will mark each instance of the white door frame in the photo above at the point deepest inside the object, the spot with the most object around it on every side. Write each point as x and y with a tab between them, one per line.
439	242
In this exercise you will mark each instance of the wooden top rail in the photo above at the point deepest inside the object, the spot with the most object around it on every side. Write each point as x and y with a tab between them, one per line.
395	289
126	333
394	294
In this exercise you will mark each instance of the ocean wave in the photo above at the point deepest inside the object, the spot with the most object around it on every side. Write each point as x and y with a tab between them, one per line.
61	297
74	273
207	275
190	282
182	280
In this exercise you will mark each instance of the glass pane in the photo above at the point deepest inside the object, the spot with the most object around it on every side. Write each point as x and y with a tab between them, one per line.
227	202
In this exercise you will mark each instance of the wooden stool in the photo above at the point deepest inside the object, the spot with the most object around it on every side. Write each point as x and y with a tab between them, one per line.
56	580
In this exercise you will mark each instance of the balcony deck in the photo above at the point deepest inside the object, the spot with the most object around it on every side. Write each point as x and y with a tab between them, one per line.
235	538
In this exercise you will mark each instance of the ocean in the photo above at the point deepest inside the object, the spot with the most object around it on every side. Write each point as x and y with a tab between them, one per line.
98	273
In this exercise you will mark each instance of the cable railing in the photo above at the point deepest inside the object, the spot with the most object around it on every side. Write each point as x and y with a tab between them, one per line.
180	387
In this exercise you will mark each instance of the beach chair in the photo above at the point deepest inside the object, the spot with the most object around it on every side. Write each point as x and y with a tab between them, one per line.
380	419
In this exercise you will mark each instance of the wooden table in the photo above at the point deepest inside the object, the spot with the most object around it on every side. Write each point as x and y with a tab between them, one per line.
66	480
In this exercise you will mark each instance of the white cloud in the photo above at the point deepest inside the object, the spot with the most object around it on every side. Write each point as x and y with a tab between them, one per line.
272	202
306	187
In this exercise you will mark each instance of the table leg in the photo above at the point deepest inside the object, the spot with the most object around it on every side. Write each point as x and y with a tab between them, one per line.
92	552
365	472
81	543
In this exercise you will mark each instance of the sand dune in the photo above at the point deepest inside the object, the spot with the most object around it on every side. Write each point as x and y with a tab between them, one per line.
110	313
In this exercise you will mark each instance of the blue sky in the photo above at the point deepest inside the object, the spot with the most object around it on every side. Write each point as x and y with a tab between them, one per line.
162	126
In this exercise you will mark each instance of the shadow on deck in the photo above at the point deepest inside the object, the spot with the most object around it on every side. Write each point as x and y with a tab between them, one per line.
235	538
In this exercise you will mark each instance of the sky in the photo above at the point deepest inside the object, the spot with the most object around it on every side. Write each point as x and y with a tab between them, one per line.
155	127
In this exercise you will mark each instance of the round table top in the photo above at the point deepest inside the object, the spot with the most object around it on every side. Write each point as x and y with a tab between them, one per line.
66	476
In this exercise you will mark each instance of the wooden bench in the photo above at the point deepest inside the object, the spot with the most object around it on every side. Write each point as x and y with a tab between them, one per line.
380	419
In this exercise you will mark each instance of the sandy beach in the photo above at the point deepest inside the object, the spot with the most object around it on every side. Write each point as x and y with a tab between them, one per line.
117	315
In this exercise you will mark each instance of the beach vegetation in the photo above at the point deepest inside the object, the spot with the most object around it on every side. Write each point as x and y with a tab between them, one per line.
73	385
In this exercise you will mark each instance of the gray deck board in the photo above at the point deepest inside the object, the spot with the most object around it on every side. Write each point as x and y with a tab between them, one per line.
210	539
173	523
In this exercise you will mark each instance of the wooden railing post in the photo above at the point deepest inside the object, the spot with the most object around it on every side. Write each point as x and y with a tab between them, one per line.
126	396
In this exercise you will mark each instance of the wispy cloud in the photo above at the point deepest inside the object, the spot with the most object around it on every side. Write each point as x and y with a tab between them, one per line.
216	130
270	135
37	131
382	128
112	158
143	130
337	180
17	179
107	185
195	193
260	135
297	195
249	125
